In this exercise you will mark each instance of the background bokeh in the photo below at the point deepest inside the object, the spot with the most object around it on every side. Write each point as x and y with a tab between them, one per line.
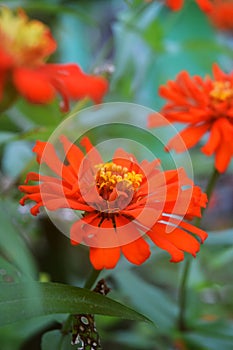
139	46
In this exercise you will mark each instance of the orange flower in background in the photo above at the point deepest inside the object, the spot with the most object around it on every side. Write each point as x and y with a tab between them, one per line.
121	201
206	105
176	5
24	47
205	5
221	14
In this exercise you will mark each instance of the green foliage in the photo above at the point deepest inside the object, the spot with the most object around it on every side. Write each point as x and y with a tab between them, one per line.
55	340
12	245
15	335
53	298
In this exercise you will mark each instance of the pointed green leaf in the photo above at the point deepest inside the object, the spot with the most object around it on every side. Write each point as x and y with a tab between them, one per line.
50	298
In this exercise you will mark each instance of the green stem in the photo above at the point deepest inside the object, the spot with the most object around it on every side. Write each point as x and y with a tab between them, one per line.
92	278
182	297
79	106
67	325
211	184
88	284
182	294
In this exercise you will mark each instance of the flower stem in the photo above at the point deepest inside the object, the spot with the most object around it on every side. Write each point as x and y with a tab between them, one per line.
211	184
88	284
79	106
92	278
67	325
182	297
182	293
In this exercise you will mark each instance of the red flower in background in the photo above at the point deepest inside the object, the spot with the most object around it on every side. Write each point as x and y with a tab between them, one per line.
176	5
24	46
206	105
221	14
121	201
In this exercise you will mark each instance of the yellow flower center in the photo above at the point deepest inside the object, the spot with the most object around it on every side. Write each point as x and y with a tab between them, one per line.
26	41
222	91
109	175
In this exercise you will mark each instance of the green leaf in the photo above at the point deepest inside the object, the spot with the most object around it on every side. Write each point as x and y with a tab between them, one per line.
154	36
16	156
5	136
47	115
51	298
11	243
55	340
13	336
8	272
213	335
37	133
224	257
148	298
223	237
46	7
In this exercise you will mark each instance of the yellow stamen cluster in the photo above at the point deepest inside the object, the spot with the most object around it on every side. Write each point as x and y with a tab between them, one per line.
109	174
25	40
222	91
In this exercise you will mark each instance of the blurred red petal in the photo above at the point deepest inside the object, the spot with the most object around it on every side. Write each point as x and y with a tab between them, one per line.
187	138
205	5
174	5
33	85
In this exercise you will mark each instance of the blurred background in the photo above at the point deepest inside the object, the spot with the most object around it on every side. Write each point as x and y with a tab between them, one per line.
138	45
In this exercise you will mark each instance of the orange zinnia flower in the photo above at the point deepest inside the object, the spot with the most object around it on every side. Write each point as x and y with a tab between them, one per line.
24	46
221	14
121	201
206	104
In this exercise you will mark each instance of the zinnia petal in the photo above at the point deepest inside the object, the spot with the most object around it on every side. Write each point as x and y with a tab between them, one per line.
46	153
93	155
176	254
214	140
136	252
175	242
73	153
189	137
124	159
223	157
104	258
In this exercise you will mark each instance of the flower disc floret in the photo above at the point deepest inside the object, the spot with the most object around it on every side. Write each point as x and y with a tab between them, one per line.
110	174
222	91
